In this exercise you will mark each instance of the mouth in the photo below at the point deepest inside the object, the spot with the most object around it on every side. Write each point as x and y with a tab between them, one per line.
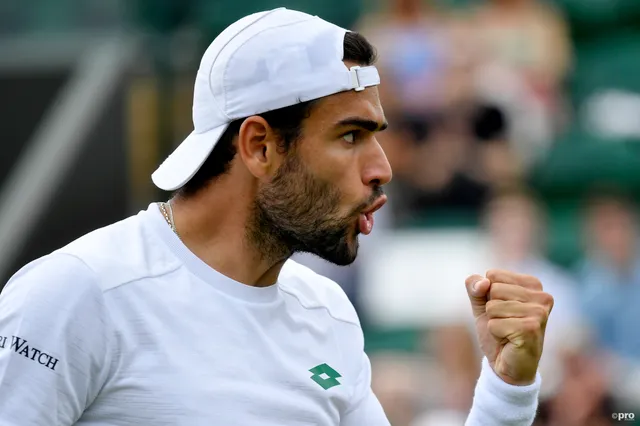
377	205
365	220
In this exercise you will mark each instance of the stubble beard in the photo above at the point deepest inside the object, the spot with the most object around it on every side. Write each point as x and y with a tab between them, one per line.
297	212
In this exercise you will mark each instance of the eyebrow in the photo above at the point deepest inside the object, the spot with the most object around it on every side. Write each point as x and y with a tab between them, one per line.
370	125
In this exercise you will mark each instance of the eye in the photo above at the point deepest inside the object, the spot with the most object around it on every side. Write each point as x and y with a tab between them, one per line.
350	137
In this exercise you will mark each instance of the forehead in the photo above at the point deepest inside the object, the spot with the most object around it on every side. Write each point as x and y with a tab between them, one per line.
364	104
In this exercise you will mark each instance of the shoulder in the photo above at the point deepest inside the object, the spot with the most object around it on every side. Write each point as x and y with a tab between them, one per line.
55	314
109	257
123	252
52	286
314	291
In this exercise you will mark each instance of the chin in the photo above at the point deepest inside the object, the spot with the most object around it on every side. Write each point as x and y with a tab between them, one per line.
341	261
341	250
345	255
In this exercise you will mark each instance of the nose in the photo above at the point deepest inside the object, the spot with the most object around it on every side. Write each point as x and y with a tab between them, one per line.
377	170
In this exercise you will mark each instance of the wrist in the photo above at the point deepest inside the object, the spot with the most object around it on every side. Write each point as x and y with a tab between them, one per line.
516	382
527	379
502	388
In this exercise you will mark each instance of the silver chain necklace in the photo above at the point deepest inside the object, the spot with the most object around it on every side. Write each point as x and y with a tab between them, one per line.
167	212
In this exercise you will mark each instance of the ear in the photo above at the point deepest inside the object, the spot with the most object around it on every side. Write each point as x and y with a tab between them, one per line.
258	147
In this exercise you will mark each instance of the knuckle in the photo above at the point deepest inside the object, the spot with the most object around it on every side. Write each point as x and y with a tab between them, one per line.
496	291
548	300
533	282
492	307
492	274
529	294
541	312
536	283
531	326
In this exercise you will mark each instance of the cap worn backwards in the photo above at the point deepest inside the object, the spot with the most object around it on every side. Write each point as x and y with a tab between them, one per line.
262	62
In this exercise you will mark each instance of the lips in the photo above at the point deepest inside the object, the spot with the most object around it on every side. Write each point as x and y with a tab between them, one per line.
365	220
377	205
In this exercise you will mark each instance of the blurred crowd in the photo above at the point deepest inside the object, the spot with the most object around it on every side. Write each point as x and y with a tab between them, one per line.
592	353
476	97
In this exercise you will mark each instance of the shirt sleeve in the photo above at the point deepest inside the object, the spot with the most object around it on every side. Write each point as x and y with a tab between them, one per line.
54	343
497	403
365	409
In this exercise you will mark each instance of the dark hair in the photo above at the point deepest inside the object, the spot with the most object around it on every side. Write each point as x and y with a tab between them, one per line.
609	193
287	122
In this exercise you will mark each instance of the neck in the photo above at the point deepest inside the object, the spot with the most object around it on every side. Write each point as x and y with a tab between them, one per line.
213	225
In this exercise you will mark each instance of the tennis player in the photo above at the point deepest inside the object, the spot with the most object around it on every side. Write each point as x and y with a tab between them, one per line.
190	312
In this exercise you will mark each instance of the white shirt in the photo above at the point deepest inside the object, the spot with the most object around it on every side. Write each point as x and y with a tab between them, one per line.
125	326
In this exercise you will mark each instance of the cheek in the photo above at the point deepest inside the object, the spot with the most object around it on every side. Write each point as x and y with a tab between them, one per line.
337	165
346	175
349	185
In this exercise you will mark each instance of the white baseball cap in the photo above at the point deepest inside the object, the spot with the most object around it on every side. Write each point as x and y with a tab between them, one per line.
264	61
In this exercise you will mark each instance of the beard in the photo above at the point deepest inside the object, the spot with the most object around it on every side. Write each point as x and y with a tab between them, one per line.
297	212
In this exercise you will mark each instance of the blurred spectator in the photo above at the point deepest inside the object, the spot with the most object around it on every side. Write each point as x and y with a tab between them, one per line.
441	167
610	289
396	383
458	364
528	36
414	53
515	224
583	398
575	388
522	53
610	274
421	390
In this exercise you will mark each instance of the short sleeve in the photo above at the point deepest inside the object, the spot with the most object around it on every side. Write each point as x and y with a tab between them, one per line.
365	408
54	343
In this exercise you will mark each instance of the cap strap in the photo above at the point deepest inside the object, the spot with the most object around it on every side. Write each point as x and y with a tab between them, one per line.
362	77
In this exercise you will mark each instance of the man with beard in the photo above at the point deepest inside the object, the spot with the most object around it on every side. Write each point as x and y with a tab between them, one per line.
190	313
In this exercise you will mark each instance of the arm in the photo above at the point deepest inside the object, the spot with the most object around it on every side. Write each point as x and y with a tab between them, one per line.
511	313
496	403
54	343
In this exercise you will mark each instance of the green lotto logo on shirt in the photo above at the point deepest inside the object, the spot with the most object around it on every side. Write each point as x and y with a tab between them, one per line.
325	376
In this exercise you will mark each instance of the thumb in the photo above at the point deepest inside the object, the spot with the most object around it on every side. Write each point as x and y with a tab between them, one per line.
478	290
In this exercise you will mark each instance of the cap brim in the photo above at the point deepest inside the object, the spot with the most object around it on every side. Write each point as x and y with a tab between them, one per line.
186	160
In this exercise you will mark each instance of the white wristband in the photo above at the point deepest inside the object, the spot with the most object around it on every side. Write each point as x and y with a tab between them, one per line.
497	403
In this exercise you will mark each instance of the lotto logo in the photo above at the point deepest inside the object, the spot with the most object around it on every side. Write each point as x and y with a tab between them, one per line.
623	417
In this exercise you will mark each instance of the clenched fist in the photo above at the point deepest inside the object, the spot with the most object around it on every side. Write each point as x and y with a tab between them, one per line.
511	313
